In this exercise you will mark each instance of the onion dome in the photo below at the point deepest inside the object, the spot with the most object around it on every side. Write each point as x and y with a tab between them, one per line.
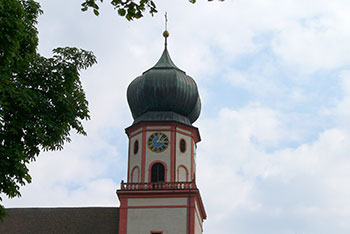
164	93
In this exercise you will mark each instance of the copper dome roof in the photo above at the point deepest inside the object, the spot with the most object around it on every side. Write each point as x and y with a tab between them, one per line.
164	93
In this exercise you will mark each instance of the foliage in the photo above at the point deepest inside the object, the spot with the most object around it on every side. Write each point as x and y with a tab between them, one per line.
127	8
41	99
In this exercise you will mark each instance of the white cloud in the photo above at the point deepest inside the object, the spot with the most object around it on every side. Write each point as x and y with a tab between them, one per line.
96	192
341	112
308	181
243	182
82	170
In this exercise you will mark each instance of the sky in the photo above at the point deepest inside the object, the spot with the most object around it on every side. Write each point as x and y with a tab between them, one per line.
274	80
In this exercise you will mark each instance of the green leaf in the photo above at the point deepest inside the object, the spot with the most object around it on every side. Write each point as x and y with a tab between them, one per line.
121	12
94	5
96	12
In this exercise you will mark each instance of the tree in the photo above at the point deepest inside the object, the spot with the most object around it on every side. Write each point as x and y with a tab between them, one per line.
41	99
127	8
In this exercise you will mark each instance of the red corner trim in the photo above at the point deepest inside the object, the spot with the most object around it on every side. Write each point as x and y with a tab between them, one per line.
143	156
192	158
123	215
172	154
192	214
128	176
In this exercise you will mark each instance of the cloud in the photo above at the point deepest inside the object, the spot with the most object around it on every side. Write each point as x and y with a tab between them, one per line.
341	112
246	185
84	174
247	188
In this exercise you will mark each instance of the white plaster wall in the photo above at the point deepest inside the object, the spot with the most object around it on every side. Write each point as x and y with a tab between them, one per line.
183	158
162	156
184	130
194	159
198	222
197	228
135	159
157	201
136	131
168	220
158	127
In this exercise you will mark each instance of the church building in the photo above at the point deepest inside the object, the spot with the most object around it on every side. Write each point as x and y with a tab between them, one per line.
160	195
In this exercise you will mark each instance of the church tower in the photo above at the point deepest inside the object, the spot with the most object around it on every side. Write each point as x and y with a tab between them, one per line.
160	195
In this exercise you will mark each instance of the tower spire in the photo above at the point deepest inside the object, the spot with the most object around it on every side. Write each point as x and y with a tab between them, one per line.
164	103
166	33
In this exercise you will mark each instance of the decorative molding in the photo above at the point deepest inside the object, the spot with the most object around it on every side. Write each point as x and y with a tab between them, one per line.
178	171
194	131
132	174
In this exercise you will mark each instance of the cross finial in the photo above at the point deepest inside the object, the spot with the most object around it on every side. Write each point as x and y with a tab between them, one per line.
166	33
166	21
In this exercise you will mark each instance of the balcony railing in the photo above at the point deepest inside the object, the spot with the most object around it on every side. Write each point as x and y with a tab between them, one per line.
158	186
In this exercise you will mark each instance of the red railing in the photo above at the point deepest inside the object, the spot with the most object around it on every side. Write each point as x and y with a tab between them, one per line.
158	186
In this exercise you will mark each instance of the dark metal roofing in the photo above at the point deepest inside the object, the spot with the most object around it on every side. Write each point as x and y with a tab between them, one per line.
164	93
165	61
94	220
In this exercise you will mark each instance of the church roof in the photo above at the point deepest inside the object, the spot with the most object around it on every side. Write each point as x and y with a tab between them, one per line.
164	93
165	61
97	220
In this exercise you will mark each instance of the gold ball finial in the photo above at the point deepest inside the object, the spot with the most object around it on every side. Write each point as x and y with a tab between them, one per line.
166	34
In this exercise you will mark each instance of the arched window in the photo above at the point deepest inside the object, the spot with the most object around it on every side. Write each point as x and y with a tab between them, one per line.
157	172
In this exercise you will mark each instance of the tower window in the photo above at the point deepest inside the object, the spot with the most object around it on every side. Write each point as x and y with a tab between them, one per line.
157	172
182	146
136	147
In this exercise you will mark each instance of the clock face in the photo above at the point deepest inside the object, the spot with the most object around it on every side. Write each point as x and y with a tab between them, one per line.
158	142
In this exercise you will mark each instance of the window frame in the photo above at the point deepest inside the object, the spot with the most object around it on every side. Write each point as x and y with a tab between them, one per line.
150	171
185	145
137	146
